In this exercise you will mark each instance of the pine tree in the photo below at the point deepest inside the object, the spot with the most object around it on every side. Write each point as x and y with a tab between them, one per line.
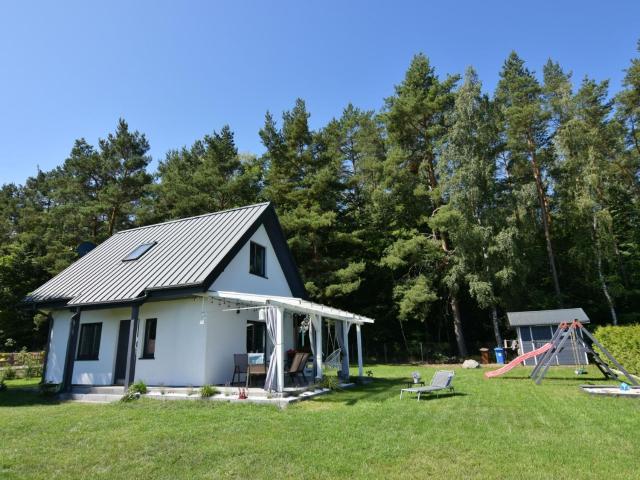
102	188
484	255
525	124
207	177
417	118
589	142
304	185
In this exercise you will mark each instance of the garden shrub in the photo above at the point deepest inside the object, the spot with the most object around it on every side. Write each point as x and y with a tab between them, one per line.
33	370
208	391
138	387
331	382
130	395
9	373
623	342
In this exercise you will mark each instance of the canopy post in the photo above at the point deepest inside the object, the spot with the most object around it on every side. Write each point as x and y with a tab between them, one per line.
279	349
72	344
345	353
130	372
318	360
359	343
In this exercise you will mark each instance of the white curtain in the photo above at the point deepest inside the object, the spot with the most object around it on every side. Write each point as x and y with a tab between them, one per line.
312	340
272	323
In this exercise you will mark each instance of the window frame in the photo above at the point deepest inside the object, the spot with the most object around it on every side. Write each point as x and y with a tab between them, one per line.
252	246
146	355
255	339
148	245
93	355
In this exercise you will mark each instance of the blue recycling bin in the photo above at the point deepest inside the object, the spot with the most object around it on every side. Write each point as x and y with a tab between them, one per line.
499	351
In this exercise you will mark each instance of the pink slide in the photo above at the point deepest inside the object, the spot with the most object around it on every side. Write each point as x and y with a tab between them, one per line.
518	360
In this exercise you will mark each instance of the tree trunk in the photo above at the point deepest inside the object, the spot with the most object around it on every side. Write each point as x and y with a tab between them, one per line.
455	307
546	221
112	220
404	339
457	326
496	327
603	283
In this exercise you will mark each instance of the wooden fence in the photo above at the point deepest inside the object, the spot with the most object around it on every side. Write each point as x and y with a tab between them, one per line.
17	359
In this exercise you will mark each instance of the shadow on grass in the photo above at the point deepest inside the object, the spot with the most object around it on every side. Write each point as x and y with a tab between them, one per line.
379	390
432	396
15	397
577	378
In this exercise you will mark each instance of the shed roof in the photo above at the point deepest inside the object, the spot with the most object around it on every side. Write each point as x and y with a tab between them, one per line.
186	254
546	317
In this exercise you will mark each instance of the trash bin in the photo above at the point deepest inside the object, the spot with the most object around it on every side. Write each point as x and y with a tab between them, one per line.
484	356
499	351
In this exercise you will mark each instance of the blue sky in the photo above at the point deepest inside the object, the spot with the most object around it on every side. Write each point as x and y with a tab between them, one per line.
178	70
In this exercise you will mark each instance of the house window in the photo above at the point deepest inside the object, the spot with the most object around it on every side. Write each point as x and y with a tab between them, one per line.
256	337
137	252
149	349
89	344
257	257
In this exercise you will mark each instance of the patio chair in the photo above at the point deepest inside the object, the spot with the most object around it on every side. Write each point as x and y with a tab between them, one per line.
298	365
240	364
442	380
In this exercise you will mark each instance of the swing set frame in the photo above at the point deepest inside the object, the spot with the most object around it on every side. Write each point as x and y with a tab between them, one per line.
569	331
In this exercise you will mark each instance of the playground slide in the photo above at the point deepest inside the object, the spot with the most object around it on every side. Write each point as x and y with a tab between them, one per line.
518	360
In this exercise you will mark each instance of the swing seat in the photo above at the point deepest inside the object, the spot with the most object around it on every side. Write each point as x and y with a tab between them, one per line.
333	360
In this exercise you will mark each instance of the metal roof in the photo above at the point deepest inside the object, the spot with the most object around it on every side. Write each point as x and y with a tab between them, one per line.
187	252
546	317
290	303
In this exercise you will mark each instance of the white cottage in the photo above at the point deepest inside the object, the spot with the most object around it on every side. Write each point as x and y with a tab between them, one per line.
171	303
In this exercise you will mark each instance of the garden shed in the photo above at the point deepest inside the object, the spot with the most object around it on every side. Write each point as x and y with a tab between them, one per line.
536	327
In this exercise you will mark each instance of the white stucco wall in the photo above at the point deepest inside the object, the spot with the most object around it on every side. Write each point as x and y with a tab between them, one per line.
58	345
226	335
100	372
236	277
180	344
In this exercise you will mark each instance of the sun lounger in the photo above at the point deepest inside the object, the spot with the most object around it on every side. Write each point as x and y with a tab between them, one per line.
442	380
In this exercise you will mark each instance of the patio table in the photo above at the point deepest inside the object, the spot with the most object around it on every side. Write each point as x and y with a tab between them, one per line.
415	384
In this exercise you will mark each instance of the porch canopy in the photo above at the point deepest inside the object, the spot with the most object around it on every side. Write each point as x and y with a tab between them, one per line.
316	313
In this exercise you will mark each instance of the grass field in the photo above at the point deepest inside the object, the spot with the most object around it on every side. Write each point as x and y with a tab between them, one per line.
500	428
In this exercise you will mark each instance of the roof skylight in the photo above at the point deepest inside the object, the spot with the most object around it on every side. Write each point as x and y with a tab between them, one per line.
137	252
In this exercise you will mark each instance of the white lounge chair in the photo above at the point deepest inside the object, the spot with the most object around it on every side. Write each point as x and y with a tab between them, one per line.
442	380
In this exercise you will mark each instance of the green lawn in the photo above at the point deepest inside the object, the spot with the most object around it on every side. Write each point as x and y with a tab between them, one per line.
498	428
22	383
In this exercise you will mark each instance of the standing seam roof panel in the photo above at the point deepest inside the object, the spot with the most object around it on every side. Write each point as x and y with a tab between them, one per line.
186	252
190	250
169	241
105	281
199	273
183	274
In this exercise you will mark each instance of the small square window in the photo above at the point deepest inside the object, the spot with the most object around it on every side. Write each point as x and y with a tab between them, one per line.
89	343
137	252
149	349
257	259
